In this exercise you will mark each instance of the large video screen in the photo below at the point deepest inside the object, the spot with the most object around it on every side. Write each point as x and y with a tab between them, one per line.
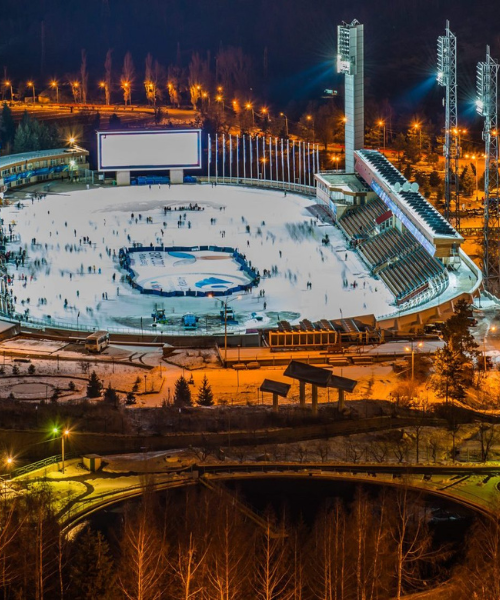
149	150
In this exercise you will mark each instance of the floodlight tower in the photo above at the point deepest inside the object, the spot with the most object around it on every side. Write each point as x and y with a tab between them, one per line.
486	106
350	62
447	78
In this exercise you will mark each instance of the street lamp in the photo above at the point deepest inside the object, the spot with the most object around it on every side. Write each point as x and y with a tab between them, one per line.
286	122
126	89
336	160
382	124
9	85
225	303
418	128
249	106
474	158
310	118
457	133
75	85
32	85
54	84
408	349
103	86
64	434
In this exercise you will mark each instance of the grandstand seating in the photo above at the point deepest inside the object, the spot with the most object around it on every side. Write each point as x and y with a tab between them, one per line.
386	246
397	258
360	220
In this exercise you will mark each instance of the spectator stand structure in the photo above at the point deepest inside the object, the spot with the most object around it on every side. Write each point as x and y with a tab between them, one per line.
318	377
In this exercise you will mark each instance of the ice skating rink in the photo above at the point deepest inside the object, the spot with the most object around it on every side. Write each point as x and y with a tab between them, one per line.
72	239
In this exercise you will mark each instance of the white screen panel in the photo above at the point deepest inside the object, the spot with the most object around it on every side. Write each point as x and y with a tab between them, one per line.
149	150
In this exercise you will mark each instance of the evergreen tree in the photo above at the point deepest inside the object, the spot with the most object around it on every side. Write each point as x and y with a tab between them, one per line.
434	179
7	127
454	364
111	397
205	394
449	381
456	332
32	135
94	386
467	182
182	393
91	574
114	122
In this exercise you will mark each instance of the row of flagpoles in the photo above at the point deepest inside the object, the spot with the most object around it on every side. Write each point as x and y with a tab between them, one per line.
263	158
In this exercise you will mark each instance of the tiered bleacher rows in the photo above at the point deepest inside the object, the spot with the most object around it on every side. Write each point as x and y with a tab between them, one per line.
397	258
359	220
386	246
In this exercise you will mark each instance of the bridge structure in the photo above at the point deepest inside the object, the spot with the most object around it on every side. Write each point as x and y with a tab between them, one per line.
78	493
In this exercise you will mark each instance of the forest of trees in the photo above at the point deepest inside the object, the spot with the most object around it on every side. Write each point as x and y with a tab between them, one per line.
199	545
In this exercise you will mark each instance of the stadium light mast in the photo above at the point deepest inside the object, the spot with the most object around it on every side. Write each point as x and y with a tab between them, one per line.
486	106
447	78
350	62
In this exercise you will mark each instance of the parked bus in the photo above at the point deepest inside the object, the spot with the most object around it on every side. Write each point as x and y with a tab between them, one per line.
97	342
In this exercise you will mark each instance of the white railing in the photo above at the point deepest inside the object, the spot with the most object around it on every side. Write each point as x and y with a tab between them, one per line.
308	190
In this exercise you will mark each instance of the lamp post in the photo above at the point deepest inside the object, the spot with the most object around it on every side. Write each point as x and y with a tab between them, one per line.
418	128
64	434
474	158
75	86
225	303
286	122
104	86
249	106
310	118
32	85
382	124
55	85
9	85
412	349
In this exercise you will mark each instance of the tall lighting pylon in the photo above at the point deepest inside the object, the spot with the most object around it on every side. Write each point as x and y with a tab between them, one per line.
486	106
447	78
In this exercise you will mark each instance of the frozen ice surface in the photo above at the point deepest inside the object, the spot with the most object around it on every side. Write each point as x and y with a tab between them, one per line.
76	277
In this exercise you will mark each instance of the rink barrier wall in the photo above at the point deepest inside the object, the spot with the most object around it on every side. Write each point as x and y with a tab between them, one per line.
266	184
124	258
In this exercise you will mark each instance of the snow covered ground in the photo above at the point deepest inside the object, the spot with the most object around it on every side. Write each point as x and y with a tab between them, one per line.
73	239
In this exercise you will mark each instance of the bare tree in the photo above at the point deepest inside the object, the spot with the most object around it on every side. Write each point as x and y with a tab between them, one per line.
143	561
127	79
412	543
328	568
487	437
480	576
187	570
84	77
108	80
229	554
272	569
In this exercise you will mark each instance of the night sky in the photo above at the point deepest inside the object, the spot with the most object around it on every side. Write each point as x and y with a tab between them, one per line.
299	35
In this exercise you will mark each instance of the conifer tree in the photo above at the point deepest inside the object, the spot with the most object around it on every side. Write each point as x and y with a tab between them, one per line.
182	393
205	394
94	386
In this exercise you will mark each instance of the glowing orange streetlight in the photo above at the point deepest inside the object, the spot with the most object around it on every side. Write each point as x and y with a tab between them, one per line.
32	85
55	85
9	85
381	124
